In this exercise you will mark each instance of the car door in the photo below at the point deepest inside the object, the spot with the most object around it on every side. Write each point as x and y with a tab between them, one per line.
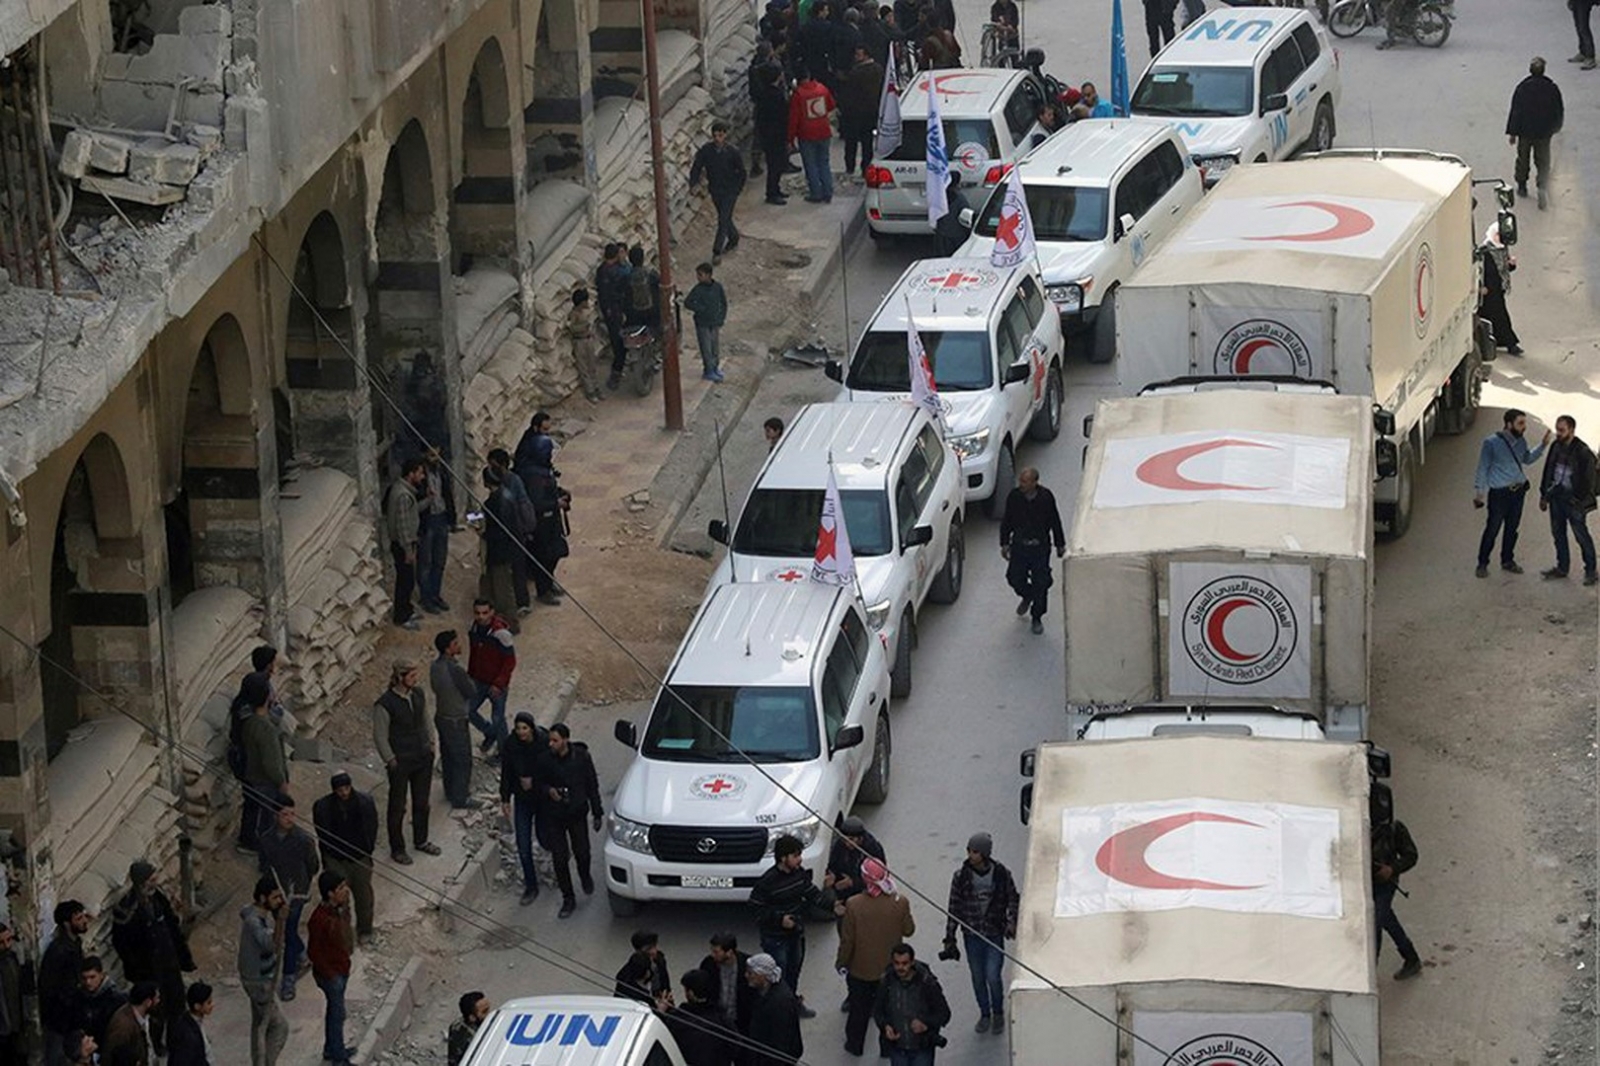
1278	75
1045	328
1022	116
1133	201
1029	351
1167	172
1317	81
843	697
1015	400
911	572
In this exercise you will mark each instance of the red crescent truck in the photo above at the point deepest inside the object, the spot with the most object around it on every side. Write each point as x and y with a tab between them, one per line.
1351	268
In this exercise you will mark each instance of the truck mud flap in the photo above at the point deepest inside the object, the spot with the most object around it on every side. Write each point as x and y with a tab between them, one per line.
1483	335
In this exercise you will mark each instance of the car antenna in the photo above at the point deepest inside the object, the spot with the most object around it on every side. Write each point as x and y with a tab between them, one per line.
727	518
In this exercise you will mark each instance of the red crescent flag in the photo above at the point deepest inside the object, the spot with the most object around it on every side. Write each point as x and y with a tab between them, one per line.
1013	237
834	564
924	393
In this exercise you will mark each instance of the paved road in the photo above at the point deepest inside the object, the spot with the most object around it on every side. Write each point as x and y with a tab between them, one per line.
985	688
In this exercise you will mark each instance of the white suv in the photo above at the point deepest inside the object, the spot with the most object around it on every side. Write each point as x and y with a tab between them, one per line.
1245	84
900	487
1102	193
995	348
785	676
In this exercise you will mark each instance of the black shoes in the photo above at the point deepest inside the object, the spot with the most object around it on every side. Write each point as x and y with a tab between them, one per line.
1023	605
568	905
429	848
587	882
529	894
1412	968
1511	568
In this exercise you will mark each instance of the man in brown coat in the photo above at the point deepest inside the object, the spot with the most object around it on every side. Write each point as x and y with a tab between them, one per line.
128	1032
875	920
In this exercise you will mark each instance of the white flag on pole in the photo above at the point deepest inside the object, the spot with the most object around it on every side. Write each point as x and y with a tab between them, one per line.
888	138
1013	236
834	564
924	393
938	157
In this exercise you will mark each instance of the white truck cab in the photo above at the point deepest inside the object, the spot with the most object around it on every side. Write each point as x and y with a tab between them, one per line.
774	683
995	346
573	1031
1245	84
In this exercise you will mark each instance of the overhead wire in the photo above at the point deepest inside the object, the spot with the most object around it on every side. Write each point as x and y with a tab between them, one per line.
655	677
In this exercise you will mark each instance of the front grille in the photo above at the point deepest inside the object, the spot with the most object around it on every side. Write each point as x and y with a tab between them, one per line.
693	844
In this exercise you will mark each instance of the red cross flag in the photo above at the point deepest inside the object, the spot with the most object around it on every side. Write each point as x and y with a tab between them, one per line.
924	393
1013	237
834	564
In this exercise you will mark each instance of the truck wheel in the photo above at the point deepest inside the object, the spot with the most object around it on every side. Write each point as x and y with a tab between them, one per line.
1405	483
1462	393
946	587
1046	425
900	672
875	786
622	906
1103	348
1321	138
1005	479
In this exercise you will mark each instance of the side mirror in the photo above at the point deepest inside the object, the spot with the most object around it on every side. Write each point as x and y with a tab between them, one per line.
1504	196
966	217
1124	226
1015	373
1507	227
1378	762
1274	102
717	530
834	369
849	736
1027	761
1387	455
1025	803
1088	425
1383	422
917	535
626	732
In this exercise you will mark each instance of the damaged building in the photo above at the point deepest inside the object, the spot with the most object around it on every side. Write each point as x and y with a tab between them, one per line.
231	232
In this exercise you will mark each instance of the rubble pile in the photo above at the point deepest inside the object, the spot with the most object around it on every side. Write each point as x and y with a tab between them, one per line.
147	168
335	591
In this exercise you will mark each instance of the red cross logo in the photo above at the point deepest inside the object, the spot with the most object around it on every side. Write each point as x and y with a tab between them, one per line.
1009	235
953	280
791	575
827	539
717	787
1038	372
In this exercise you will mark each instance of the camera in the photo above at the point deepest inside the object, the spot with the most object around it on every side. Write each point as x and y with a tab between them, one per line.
939	1040
950	953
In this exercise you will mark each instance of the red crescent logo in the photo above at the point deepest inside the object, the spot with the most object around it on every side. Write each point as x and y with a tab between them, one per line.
939	83
1241	362
1163	470
1217	637
1122	856
1347	222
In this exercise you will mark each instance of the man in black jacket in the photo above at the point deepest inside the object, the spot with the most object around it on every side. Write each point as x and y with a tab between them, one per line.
722	166
519	795
697	1027
97	999
1030	524
1567	491
853	846
775	1016
150	942
983	901
1536	116
568	788
783	899
643	978
186	1044
769	90
725	968
859	90
910	1009
58	977
347	833
1393	853
403	736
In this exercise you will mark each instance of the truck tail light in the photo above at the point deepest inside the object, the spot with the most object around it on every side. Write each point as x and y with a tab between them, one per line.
997	174
879	178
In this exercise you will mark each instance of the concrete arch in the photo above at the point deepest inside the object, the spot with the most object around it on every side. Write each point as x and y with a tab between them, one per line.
110	493
408	175
323	265
493	86
483	208
230	356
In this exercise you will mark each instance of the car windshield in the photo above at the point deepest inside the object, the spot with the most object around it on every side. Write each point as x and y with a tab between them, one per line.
960	359
958	133
1198	91
1059	212
783	522
764	723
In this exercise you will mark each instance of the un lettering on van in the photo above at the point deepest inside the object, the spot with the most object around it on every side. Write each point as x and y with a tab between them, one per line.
531	1030
1217	29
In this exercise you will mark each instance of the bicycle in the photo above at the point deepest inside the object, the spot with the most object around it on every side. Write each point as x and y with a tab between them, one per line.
998	47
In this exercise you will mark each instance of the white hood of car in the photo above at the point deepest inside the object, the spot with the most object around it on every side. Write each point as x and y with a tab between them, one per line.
1059	261
872	571
964	412
1215	136
662	792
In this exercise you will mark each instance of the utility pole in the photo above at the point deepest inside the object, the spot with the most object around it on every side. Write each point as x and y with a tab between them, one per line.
671	385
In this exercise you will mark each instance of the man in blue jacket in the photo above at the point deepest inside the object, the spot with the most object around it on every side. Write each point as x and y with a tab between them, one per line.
1501	483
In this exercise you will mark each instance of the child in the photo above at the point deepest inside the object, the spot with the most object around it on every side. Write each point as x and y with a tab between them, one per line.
709	305
580	330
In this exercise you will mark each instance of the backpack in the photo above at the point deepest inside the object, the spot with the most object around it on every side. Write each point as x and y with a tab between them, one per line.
641	293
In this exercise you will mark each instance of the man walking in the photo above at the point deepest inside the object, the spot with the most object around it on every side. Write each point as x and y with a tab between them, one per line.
264	779
983	901
722	166
611	292
536	466
1158	18
774	1036
288	855
1580	18
1030	524
810	108
400	733
1500	482
452	689
347	832
490	664
1536	116
331	941
783	898
402	523
1393	853
709	304
910	1009
875	921
260	942
1567	491
568	787
519	797
150	942
187	1044
58	978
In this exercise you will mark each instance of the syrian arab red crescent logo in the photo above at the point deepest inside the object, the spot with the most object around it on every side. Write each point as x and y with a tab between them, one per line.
1422	289
1262	346
1164	470
1223	1049
942	83
1347	222
1123	856
1240	629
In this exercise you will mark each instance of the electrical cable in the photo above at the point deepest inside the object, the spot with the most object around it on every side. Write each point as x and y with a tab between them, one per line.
655	677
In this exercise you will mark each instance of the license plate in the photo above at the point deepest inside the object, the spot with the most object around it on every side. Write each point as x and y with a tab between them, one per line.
705	881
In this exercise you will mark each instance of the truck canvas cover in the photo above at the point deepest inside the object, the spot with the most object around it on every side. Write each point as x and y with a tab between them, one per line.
1221	552
1205	889
1277	273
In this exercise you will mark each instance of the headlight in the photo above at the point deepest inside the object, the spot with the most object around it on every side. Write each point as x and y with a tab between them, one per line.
1214	167
635	836
1068	296
970	445
805	832
878	613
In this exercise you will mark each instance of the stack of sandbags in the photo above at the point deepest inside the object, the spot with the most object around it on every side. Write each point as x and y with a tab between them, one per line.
313	510
498	402
213	632
486	311
210	792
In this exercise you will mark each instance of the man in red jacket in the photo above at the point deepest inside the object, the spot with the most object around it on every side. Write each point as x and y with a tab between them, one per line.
490	664
331	939
810	108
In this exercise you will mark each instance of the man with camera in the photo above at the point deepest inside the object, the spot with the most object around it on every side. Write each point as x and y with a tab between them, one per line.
983	901
569	788
783	898
910	1009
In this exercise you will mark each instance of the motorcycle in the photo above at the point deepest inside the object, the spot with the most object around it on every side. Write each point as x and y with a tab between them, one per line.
1428	22
644	357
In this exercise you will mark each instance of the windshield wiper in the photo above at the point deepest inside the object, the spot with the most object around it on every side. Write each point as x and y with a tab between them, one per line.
1154	109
